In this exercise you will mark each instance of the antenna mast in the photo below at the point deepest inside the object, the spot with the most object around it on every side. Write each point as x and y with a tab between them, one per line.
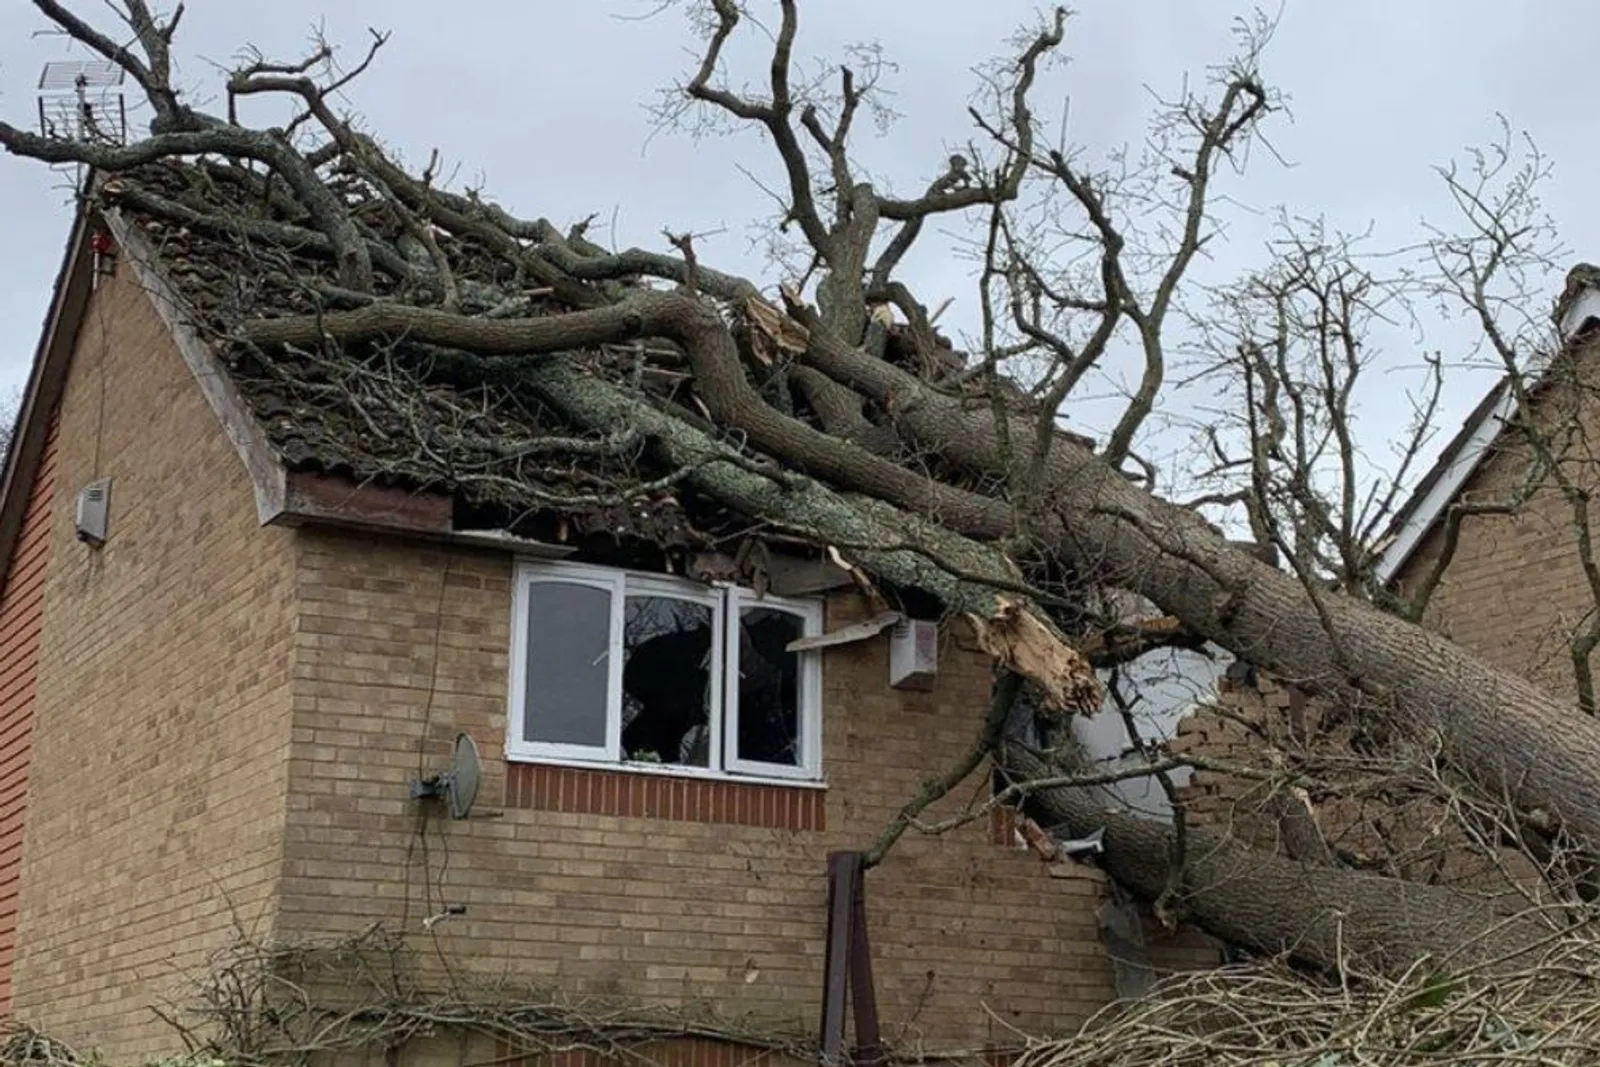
81	99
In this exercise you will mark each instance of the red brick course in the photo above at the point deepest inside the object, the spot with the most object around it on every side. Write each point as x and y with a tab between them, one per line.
640	794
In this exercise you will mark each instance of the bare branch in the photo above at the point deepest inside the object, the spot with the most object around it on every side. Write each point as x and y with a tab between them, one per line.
935	789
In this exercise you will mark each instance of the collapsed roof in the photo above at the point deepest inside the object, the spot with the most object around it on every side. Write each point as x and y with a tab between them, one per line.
399	412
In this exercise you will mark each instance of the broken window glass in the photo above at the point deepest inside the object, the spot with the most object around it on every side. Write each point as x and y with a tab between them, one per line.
569	636
769	687
666	680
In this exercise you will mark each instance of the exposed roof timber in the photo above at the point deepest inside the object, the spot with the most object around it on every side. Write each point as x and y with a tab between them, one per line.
1466	452
846	635
320	496
505	539
326	499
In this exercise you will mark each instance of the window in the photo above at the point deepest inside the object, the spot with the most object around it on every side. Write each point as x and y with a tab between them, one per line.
613	667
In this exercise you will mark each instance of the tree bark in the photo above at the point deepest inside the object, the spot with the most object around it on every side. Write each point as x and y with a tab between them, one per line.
1506	734
1325	917
968	576
1006	627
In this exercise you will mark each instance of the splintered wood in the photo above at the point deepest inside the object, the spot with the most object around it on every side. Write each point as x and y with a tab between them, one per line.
1018	639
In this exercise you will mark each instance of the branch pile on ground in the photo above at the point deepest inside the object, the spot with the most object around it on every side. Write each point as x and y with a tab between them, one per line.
1267	1014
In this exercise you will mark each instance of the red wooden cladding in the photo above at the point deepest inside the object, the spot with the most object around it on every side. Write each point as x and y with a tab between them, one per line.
672	1052
596	791
21	615
692	1052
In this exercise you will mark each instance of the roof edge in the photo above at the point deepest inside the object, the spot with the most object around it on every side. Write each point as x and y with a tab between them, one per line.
1465	452
1457	463
282	498
68	302
267	478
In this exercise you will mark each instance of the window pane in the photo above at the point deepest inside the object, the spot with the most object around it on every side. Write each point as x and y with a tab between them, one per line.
769	686
666	676
569	631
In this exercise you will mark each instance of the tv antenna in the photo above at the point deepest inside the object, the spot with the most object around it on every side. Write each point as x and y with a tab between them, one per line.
457	787
82	100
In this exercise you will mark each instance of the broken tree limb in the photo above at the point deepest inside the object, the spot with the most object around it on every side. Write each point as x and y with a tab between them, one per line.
1022	640
719	380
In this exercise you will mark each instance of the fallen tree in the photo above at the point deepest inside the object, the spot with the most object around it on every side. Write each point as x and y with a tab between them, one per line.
832	410
1319	914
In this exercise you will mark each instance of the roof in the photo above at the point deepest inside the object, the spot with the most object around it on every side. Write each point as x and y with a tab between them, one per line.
1577	313
383	416
387	434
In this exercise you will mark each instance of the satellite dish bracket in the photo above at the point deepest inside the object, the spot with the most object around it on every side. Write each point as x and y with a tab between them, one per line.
457	787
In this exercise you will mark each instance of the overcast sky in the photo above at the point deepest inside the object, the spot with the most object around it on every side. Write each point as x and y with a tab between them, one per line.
543	103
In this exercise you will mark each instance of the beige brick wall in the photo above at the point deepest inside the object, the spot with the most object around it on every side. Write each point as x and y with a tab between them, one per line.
221	705
158	775
969	938
1515	588
1401	832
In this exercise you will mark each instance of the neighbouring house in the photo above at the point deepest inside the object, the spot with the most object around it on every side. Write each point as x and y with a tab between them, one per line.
1492	539
1512	586
236	634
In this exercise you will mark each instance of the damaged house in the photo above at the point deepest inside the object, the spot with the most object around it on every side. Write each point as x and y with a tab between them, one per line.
247	624
433	635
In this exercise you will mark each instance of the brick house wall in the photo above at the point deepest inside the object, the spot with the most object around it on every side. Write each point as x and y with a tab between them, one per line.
1515	588
1254	724
157	778
649	888
226	719
1512	593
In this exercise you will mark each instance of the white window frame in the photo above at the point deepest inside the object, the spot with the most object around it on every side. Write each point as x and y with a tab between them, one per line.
727	603
526	579
810	683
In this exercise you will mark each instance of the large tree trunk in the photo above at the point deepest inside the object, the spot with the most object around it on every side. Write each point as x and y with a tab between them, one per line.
1323	916
1505	733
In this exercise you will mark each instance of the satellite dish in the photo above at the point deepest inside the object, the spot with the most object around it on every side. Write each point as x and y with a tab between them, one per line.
457	787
